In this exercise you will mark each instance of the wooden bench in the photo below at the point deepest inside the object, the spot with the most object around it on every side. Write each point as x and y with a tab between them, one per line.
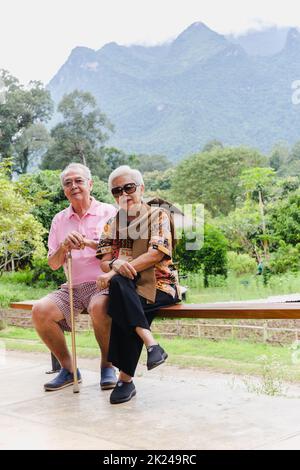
253	310
227	310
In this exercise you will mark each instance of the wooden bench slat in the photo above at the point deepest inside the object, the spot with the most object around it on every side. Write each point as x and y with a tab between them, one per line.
257	310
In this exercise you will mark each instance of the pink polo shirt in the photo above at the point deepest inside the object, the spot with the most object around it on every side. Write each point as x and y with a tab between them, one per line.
85	265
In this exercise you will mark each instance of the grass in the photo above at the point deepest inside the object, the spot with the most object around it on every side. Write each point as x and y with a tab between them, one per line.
14	289
245	287
229	356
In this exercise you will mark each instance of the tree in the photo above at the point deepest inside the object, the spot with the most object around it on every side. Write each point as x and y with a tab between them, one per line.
279	156
148	163
211	258
291	165
243	230
212	178
212	144
284	219
80	136
21	107
158	183
30	147
213	254
113	157
255	181
20	233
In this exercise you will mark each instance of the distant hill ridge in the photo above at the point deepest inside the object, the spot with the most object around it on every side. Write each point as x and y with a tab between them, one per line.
172	98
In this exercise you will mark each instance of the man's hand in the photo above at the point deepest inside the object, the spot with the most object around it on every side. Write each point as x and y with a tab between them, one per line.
124	268
74	241
104	280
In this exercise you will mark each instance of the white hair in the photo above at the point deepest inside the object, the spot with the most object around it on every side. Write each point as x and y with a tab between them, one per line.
76	166
125	170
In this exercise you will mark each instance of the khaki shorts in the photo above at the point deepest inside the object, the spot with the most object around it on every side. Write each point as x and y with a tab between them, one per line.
82	296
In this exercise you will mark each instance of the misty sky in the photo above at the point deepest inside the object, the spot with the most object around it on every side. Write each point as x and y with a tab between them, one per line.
37	36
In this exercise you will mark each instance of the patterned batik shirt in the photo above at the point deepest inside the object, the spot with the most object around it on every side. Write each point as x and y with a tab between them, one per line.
160	239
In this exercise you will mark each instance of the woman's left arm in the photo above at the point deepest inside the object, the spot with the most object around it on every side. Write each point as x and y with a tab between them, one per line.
147	260
160	244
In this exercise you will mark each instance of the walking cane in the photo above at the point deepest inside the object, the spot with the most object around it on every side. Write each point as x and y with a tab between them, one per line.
74	359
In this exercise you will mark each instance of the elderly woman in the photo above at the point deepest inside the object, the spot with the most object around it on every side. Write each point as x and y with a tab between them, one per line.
135	250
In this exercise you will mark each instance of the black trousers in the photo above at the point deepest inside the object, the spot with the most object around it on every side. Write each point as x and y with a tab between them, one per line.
129	310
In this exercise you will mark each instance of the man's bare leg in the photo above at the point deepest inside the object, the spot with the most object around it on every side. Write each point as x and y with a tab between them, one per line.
45	317
101	324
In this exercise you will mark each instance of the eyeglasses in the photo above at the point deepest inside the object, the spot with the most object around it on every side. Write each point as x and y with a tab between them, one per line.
129	188
77	181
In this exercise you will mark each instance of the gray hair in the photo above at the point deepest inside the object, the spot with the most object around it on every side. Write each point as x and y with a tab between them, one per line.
125	170
76	166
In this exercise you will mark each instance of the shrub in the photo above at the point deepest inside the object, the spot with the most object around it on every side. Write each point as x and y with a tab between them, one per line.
211	258
286	258
43	275
241	263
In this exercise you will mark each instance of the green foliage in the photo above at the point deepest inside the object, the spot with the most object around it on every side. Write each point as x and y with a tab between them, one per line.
112	158
213	178
257	179
213	253
284	219
20	233
289	160
29	148
242	228
241	263
279	156
188	260
44	276
285	258
80	136
20	110
263	212
158	184
151	163
211	258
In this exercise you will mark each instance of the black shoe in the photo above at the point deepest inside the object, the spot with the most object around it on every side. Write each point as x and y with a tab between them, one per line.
122	392
156	356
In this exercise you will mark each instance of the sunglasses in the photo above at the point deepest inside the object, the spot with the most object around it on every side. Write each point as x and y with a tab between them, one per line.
128	188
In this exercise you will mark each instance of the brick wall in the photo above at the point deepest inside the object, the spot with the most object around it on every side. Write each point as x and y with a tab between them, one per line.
23	318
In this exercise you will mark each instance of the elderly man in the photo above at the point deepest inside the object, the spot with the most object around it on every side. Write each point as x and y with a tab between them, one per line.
76	228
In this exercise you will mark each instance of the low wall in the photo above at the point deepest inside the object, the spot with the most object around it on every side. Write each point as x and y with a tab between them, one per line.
12	317
267	331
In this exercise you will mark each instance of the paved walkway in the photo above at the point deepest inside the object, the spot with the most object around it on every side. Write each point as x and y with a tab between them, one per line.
174	409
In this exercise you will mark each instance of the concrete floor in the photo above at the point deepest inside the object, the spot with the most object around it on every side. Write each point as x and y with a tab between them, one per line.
174	408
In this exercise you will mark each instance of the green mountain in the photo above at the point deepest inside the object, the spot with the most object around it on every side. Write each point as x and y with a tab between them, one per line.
171	99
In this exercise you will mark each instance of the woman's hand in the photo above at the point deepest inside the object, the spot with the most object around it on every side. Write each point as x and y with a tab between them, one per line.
124	268
104	280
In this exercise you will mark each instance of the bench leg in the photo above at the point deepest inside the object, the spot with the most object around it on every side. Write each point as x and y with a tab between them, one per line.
55	365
